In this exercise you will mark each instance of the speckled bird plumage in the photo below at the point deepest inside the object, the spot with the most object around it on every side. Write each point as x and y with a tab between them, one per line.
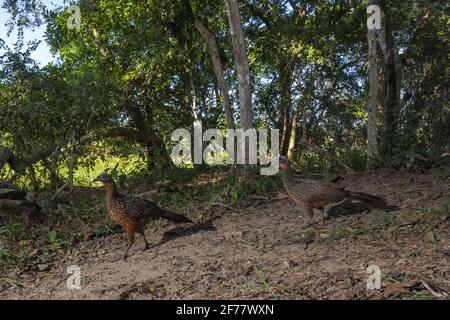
313	194
133	212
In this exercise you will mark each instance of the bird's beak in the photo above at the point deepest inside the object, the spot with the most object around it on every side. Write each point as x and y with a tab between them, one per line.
96	180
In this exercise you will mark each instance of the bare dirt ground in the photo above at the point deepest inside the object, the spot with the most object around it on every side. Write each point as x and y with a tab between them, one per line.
259	252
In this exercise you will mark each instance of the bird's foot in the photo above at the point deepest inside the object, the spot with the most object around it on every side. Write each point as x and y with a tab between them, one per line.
306	225
115	259
323	216
118	258
149	247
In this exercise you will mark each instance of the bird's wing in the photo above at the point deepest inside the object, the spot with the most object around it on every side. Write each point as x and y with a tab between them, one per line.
326	192
138	207
148	209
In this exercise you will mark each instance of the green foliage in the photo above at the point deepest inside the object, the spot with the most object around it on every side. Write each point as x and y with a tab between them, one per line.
134	71
52	235
242	189
12	231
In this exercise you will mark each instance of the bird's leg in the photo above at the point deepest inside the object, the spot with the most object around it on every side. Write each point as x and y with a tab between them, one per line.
308	223
141	232
130	243
323	215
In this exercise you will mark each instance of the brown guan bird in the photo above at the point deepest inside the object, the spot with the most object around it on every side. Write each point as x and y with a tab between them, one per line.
314	194
133	212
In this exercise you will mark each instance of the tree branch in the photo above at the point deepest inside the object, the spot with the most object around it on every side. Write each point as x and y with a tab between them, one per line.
19	163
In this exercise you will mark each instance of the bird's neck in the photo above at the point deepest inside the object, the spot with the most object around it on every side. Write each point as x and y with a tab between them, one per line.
287	172
290	178
111	190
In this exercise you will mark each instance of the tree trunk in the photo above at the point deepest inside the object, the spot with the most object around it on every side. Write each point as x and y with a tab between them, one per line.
373	101
241	62
243	76
189	102
157	155
392	100
391	85
187	98
293	135
285	125
213	50
52	166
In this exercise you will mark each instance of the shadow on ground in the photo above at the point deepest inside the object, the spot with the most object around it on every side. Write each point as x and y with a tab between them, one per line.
349	207
179	232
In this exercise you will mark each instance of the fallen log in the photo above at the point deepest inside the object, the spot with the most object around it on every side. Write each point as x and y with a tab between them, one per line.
12	196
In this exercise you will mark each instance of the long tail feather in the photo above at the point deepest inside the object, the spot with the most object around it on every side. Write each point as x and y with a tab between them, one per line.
368	198
174	217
